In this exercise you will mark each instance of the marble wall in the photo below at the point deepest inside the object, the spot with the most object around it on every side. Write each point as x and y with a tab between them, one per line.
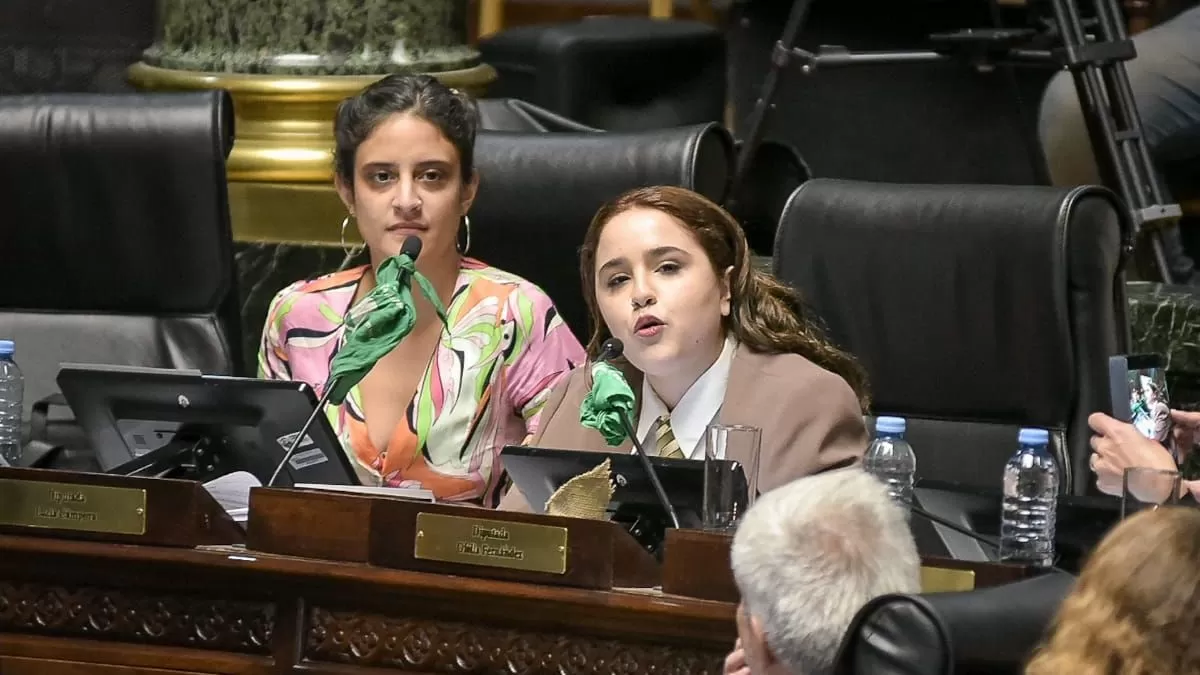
1166	320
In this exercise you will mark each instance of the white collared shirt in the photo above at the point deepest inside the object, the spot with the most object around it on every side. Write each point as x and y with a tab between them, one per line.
696	410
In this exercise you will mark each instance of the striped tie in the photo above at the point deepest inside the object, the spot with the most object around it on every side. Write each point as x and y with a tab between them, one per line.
664	440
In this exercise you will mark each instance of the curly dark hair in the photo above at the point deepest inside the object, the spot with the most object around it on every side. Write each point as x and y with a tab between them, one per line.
451	111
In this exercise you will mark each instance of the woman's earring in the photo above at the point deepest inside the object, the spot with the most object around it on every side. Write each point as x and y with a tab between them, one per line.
351	251
466	226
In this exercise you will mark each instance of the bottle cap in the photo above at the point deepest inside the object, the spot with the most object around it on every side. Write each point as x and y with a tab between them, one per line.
1033	437
7	347
890	425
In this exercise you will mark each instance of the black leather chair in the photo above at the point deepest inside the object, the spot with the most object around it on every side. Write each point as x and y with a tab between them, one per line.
975	310
613	72
513	114
774	173
990	631
117	246
539	192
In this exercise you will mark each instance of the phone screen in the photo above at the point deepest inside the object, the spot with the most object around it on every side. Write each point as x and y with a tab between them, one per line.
1150	405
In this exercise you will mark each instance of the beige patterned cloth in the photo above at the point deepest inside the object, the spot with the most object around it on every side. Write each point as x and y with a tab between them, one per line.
584	496
665	444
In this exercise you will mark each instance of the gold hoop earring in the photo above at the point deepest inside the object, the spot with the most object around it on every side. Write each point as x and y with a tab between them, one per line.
349	250
466	226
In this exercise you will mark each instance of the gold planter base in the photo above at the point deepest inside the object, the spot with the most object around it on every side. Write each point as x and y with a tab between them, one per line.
281	168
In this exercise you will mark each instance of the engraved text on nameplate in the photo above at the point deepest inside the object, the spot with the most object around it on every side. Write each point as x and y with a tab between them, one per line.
491	543
67	506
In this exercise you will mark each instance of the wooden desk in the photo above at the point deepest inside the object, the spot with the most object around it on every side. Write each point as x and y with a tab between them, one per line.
80	608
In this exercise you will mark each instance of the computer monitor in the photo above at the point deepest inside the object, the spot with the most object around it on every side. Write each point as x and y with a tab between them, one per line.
156	422
539	472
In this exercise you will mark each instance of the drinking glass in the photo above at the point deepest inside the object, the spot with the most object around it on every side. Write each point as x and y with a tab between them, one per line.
1143	488
730	474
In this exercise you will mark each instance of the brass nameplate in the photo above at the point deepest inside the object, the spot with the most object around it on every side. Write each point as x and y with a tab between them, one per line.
68	506
946	580
491	543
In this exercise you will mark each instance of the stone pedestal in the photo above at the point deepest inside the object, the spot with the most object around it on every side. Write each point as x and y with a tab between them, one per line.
312	37
288	63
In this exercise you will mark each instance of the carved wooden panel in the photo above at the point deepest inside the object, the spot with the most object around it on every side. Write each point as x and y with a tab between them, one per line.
431	646
136	616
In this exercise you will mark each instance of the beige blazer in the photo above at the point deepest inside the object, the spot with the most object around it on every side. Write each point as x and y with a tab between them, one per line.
809	417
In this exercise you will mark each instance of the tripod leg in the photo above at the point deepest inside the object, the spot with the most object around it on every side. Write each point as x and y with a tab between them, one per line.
780	56
1160	253
1112	118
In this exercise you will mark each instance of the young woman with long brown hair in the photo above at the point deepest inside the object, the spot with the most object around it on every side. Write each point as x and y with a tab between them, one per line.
708	338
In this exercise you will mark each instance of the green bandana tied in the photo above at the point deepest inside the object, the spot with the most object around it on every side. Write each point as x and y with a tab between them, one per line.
378	322
609	397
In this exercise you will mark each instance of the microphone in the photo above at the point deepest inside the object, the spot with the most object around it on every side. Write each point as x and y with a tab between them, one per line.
611	349
411	248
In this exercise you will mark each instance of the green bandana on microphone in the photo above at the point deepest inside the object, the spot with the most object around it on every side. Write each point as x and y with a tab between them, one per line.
378	322
609	397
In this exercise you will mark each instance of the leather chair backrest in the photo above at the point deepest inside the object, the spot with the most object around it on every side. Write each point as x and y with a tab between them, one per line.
618	73
990	631
538	193
975	310
117	247
775	171
896	634
513	114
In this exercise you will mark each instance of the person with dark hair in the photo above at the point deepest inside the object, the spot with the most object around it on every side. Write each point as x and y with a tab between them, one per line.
435	411
708	338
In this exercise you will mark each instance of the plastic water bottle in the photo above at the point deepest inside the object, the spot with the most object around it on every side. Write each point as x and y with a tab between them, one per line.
1030	500
12	394
892	460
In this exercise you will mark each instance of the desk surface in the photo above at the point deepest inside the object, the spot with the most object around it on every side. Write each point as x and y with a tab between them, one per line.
225	610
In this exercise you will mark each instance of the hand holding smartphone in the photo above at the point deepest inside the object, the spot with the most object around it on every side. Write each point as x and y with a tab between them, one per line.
1138	385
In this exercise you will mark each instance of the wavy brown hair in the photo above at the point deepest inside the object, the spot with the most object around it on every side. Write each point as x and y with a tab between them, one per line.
1136	607
765	315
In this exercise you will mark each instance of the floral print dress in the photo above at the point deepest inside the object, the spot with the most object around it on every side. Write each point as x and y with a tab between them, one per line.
504	349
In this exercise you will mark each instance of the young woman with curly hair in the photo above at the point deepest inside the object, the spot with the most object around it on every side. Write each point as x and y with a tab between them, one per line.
707	338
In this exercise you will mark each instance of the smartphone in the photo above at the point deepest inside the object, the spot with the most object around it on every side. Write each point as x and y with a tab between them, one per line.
1138	383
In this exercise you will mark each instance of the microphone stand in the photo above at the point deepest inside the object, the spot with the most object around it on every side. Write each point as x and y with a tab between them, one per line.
950	525
650	471
411	248
962	530
611	349
1101	83
300	436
